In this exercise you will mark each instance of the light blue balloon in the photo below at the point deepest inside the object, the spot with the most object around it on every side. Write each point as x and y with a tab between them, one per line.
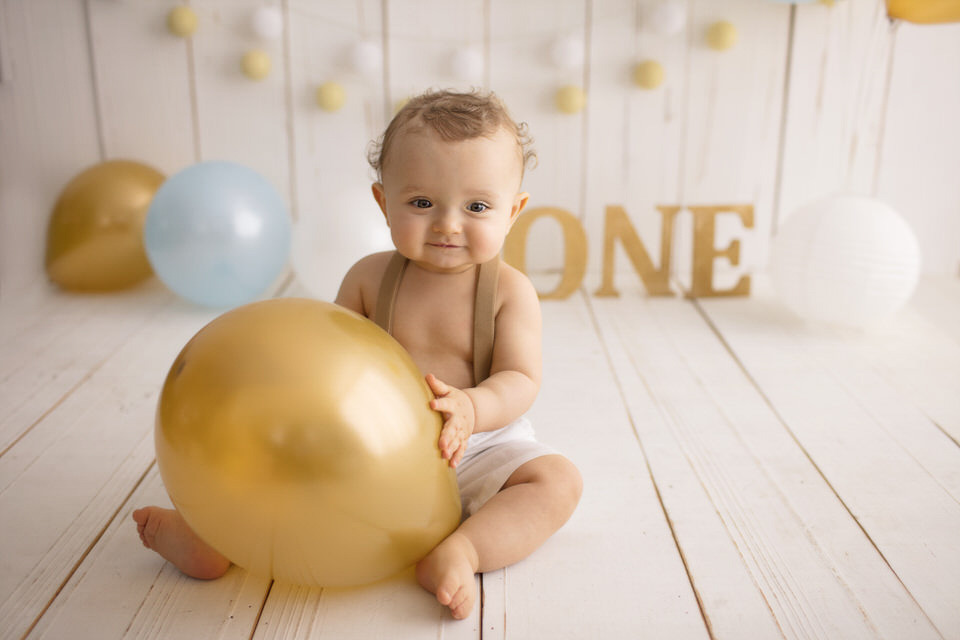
218	234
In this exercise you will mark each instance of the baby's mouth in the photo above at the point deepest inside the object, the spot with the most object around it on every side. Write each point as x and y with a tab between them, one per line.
443	245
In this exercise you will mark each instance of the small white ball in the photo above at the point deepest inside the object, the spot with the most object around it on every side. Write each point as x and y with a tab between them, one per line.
267	23
847	260
467	64
666	18
567	52
365	57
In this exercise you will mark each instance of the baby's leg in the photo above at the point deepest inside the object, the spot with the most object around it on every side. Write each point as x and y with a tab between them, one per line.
536	500
166	532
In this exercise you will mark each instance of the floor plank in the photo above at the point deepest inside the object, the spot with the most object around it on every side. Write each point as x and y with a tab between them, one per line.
64	341
887	485
616	562
815	571
80	462
122	590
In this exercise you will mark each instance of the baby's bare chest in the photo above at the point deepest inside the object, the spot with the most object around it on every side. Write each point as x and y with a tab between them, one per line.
436	328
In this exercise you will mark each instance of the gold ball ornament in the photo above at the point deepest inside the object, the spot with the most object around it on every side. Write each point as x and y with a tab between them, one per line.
721	35
331	96
296	438
648	74
256	64
570	99
95	234
182	21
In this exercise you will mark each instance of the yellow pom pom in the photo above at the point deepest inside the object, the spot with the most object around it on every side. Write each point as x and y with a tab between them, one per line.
400	104
648	74
256	64
331	96
182	21
570	99
721	35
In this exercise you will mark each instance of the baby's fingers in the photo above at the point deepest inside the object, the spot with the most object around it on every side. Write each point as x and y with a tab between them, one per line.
438	387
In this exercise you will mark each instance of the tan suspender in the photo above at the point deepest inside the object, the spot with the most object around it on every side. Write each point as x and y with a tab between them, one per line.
389	286
484	309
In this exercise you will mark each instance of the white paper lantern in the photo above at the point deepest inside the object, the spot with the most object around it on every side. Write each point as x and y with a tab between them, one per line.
327	241
846	260
365	57
467	64
567	52
267	23
666	18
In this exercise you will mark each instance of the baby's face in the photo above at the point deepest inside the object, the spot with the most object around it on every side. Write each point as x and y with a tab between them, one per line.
450	204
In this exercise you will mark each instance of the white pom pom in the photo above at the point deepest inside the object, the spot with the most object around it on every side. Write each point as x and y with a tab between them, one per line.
568	52
365	57
666	19
267	23
467	64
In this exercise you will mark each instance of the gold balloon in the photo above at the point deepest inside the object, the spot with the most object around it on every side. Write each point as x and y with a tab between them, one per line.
924	11
95	236
295	437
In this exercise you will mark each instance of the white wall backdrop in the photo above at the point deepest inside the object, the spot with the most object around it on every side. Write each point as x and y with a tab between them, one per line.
812	100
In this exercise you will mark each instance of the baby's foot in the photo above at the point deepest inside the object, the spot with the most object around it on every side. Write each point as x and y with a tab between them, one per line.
448	572
166	532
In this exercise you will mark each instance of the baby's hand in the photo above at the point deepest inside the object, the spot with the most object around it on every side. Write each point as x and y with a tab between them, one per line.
458	419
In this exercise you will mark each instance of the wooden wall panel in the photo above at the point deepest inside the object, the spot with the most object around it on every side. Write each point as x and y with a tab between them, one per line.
142	85
635	135
813	100
835	107
338	219
239	119
733	114
48	127
523	74
919	171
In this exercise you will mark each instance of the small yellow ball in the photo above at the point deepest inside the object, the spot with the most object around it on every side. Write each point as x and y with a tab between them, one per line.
400	104
570	99
721	35
182	21
648	74
331	96
256	64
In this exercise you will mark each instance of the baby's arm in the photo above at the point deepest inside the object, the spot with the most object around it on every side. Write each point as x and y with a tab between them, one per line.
514	373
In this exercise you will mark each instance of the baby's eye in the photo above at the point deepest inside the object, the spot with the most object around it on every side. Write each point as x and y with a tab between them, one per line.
422	203
477	207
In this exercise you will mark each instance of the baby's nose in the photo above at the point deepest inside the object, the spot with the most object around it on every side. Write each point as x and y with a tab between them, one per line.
447	221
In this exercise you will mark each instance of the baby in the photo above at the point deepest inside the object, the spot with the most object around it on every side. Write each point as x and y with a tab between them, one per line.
450	167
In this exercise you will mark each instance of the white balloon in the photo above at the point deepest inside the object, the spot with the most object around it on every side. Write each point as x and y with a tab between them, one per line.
467	64
328	240
666	18
365	57
267	23
847	260
567	52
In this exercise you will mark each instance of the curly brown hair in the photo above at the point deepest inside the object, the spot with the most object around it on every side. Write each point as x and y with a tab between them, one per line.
454	116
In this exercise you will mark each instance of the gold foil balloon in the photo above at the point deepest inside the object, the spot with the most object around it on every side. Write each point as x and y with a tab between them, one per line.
95	237
295	437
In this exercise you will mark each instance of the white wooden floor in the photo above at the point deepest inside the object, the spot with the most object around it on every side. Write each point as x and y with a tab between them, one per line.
747	476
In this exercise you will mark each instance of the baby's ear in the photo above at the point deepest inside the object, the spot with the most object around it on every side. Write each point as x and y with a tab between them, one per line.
518	205
381	199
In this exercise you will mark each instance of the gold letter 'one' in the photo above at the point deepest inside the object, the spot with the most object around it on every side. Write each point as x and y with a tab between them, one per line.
574	252
617	225
704	253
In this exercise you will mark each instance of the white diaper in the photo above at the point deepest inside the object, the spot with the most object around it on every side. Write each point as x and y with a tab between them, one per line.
491	458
